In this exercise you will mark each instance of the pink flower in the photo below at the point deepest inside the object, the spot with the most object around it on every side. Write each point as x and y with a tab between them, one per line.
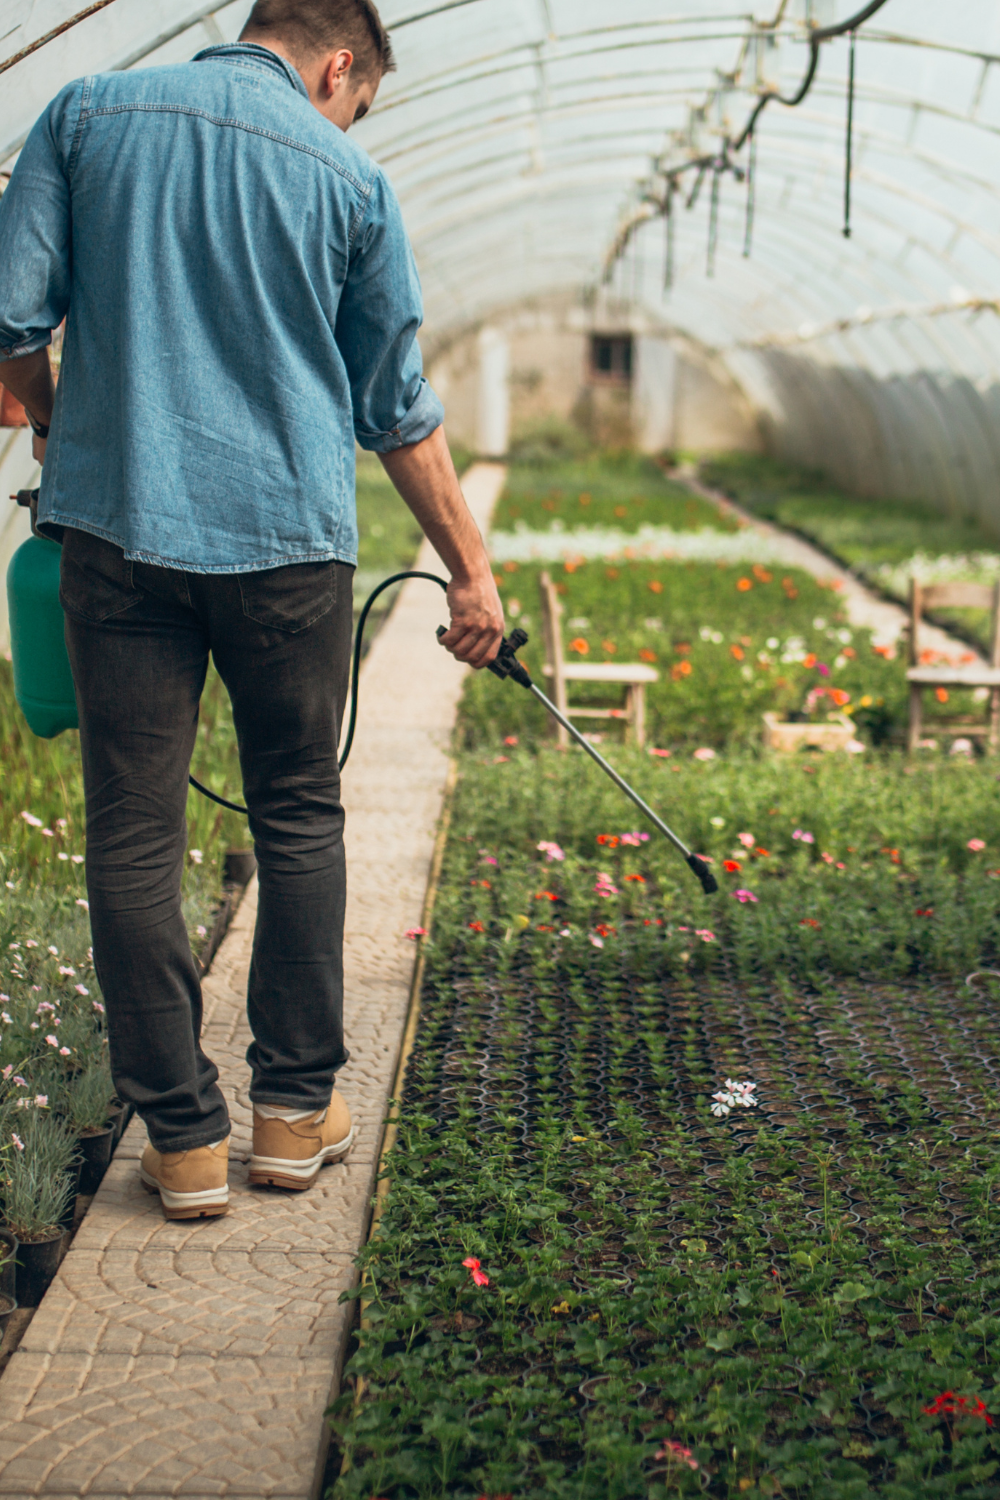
551	851
676	1453
42	1100
705	935
747	840
53	1041
976	844
81	989
84	904
98	1006
806	838
827	858
705	753
598	942
415	932
663	754
635	839
65	1051
31	820
822	669
471	1264
7	1071
744	896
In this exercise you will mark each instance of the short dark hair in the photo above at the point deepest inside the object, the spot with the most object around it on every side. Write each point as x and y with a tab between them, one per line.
310	26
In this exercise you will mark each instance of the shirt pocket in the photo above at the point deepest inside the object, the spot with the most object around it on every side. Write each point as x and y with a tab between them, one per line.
289	598
95	577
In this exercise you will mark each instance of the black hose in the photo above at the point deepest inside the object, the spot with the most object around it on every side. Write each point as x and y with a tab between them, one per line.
355	679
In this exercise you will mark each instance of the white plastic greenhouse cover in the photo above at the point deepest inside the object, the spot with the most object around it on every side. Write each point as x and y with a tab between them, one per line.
520	134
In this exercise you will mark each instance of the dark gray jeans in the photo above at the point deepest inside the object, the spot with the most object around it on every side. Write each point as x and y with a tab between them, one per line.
139	638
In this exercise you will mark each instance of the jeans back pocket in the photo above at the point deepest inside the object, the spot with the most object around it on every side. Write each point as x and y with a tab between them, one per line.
289	598
95	577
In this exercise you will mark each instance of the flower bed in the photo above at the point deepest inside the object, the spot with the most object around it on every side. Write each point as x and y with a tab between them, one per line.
619	492
883	541
730	643
588	1281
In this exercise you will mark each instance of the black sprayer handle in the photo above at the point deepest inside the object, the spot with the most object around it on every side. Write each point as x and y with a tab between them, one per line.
709	883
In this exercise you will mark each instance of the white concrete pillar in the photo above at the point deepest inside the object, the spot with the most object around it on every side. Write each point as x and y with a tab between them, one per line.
493	415
654	393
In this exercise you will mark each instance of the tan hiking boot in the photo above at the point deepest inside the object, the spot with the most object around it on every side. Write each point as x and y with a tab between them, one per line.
191	1184
290	1155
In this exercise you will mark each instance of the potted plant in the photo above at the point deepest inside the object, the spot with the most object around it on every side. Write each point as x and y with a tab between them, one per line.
88	1104
38	1186
8	1262
821	724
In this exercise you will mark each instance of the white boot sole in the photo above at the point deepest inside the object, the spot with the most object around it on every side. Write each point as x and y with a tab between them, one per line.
208	1204
273	1171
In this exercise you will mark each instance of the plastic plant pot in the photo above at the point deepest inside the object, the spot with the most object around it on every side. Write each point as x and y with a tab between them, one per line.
238	866
8	1306
96	1148
118	1119
8	1262
37	1263
69	1212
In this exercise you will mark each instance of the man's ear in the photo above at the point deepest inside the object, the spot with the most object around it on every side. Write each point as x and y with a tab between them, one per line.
337	70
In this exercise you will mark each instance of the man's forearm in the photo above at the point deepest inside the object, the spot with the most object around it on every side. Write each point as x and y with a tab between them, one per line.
424	475
29	379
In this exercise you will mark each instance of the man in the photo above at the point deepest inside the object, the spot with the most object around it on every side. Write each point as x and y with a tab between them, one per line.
241	304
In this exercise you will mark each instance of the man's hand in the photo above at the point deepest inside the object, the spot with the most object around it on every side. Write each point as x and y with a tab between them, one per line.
476	620
424	475
29	378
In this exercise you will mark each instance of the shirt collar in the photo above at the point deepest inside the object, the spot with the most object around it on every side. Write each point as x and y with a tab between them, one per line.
248	54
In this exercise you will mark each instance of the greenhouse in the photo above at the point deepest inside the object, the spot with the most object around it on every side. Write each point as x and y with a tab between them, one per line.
658	994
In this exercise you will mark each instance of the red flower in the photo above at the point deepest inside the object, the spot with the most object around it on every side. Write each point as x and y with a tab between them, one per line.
605	931
471	1264
641	879
809	922
476	927
764	853
546	896
611	839
731	866
925	911
948	1404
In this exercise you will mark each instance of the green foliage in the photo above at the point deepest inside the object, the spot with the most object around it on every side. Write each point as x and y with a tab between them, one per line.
388	534
88	1096
621	491
36	1180
780	1292
866	535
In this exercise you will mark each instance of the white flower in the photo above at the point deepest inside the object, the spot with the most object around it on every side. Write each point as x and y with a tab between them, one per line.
705	753
5	1018
54	952
723	1103
598	942
717	822
195	856
61	824
819	623
31	943
772	643
61	855
77	860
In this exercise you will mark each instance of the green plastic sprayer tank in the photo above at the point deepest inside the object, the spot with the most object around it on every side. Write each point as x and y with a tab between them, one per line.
43	681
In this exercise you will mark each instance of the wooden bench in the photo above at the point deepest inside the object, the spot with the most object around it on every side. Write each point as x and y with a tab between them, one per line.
633	676
973	674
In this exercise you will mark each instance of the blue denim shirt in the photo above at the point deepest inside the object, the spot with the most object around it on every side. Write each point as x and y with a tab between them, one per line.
241	304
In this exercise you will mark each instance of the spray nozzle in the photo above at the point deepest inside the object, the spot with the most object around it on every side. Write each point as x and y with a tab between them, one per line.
505	663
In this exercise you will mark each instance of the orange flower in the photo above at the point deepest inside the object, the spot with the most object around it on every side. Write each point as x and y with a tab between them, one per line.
809	922
546	896
611	839
640	878
941	694
572	563
682	648
580	646
680	669
731	866
737	653
498	579
886	651
761	574
839	696
655	586
791	593
646	655
476	927
510	567
609	647
810	660
764	853
893	855
849	652
744	585
584	499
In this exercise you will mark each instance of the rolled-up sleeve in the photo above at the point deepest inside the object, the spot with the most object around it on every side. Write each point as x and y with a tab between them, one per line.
36	233
380	312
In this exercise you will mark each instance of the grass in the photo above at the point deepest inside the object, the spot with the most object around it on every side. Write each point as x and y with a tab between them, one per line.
585	1284
620	492
881	540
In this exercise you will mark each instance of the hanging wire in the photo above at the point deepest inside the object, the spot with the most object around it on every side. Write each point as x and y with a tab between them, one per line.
751	194
670	222
849	155
713	216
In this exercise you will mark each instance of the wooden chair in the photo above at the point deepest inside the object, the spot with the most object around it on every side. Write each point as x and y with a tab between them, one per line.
973	674
633	676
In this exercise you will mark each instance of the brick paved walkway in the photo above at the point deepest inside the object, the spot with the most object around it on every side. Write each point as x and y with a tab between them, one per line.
171	1359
